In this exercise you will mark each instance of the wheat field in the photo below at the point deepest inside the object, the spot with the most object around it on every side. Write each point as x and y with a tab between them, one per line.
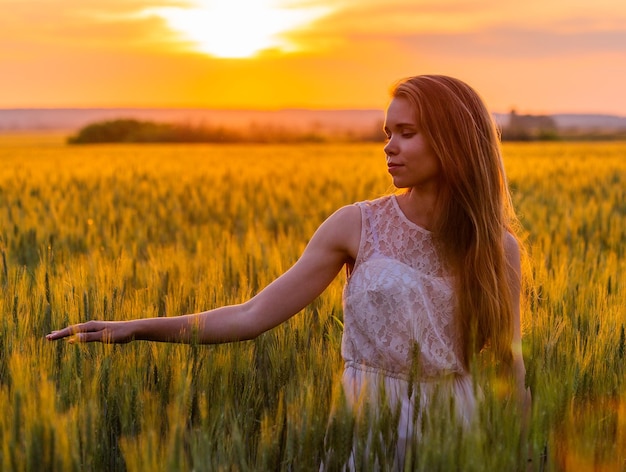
127	231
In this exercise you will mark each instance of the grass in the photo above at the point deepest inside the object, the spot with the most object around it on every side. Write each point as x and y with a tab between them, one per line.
125	231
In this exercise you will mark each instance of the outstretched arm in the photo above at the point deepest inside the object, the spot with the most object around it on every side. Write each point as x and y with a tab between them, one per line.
333	244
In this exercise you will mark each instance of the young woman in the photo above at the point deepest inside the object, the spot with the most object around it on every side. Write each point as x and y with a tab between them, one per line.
434	271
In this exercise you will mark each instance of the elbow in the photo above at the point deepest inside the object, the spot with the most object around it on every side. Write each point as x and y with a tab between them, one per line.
224	325
245	323
257	317
249	325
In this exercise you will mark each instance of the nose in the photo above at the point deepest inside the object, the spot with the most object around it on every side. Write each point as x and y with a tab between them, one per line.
390	147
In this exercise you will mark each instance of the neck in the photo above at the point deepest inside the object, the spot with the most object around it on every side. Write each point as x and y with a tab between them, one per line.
419	207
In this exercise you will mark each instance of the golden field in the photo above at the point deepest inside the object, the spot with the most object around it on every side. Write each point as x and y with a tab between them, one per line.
126	231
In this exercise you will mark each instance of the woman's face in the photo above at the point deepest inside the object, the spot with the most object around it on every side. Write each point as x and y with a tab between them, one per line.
410	159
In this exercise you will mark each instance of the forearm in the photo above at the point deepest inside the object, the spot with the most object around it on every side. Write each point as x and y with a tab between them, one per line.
227	324
221	325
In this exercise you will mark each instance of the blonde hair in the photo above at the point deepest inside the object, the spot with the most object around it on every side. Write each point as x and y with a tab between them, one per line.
474	209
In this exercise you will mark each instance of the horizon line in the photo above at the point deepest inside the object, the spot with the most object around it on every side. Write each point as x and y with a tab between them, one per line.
278	110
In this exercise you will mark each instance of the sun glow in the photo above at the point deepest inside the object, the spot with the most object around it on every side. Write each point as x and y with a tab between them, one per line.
238	28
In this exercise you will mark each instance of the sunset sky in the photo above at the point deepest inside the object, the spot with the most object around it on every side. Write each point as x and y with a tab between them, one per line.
539	56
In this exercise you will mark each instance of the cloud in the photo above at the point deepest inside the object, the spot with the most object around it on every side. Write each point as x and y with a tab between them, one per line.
488	28
42	26
441	15
514	43
377	17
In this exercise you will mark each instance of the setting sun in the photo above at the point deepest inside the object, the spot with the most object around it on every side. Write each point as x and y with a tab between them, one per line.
238	28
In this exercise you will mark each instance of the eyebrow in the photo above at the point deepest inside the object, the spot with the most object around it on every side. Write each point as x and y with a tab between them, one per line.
401	125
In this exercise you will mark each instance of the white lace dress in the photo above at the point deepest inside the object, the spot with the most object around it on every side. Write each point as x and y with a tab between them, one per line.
397	295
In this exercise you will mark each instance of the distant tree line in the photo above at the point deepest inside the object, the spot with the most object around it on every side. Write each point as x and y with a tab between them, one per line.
137	131
518	128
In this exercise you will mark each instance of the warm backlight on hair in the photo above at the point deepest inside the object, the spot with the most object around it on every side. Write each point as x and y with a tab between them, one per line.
238	28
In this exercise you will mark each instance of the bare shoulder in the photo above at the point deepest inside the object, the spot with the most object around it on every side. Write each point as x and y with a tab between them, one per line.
511	247
349	215
342	230
513	256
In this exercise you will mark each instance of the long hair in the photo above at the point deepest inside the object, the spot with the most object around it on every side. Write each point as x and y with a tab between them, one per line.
474	209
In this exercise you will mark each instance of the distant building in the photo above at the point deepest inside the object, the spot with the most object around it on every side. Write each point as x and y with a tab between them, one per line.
529	128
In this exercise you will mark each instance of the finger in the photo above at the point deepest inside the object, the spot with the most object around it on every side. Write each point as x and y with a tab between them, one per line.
61	333
73	329
89	337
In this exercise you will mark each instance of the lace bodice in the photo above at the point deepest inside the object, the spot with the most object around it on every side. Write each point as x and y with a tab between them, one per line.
398	294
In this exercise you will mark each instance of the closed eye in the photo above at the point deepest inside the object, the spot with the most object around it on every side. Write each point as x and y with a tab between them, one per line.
403	135
405	131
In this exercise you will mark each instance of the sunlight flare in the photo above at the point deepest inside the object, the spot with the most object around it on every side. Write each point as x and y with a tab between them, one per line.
239	28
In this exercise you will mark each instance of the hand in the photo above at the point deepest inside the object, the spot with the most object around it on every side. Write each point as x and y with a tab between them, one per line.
95	331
